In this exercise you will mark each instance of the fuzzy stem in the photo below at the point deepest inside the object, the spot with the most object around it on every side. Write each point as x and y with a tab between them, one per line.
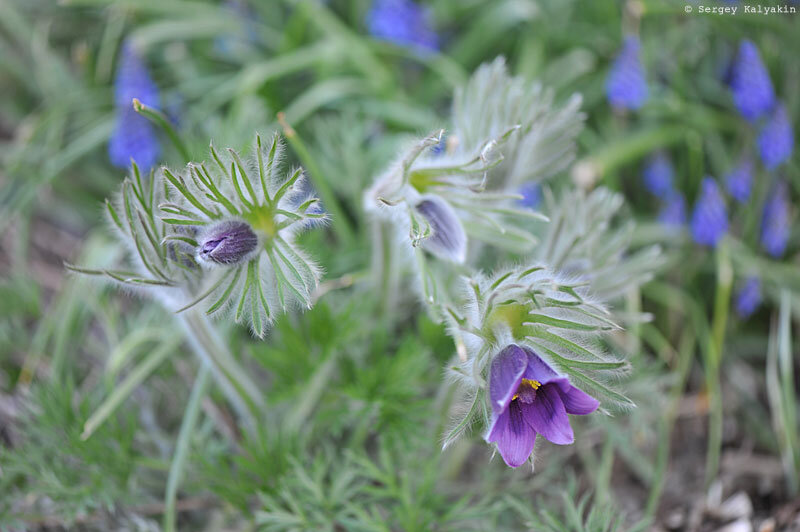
190	418
237	386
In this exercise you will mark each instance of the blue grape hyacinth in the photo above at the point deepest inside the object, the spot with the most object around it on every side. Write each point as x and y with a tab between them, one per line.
776	139
531	195
748	298
134	136
402	22
673	213
710	217
750	83
739	181
626	86
775	227
658	175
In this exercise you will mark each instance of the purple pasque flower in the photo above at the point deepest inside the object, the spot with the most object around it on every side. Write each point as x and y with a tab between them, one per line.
673	213
531	195
228	242
776	139
626	86
529	398
658	175
710	216
739	181
749	297
751	86
402	22
775	226
448	239
134	136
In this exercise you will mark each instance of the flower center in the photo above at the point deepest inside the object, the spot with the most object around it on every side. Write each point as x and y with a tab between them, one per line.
526	392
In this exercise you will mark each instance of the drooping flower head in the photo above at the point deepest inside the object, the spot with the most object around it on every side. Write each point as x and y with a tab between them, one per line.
402	22
775	221
751	86
776	139
134	136
626	85
658	175
748	298
529	398
740	181
220	236
710	216
673	212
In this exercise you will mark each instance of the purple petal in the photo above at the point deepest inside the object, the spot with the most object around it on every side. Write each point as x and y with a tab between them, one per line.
577	401
514	437
448	239
505	376
539	370
547	416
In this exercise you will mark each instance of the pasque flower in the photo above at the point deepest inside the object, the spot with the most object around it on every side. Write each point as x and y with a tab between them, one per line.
227	242
775	225
740	180
658	175
133	137
528	398
752	89
776	139
626	86
710	217
448	239
402	22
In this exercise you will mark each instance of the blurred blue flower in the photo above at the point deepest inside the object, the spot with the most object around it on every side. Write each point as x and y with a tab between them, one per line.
739	181
673	213
776	140
710	217
626	86
775	226
402	22
134	136
658	175
750	84
748	298
531	195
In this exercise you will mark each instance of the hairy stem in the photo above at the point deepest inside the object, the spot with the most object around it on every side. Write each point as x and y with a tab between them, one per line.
234	381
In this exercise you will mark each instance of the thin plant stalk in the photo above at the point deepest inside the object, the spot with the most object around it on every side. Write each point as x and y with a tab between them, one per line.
714	358
234	381
190	417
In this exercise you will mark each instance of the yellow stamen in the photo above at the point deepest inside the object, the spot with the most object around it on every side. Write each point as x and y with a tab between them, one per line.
528	382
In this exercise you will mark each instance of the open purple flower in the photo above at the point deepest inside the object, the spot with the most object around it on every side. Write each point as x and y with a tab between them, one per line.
776	139
740	180
529	398
658	175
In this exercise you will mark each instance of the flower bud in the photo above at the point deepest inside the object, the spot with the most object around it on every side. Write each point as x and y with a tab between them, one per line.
229	242
448	239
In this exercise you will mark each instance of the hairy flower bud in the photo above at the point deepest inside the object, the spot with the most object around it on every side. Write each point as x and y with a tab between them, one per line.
448	239
229	242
